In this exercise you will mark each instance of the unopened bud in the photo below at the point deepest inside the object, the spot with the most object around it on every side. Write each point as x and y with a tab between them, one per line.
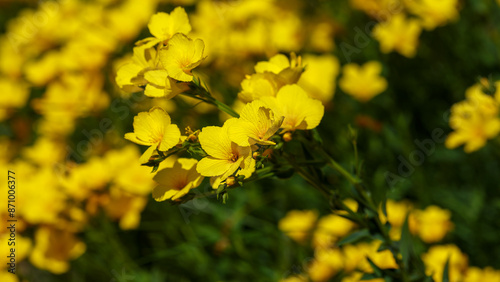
287	137
230	181
255	155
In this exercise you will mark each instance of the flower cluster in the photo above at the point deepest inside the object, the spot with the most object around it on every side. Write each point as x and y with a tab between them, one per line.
340	250
476	119
401	22
51	61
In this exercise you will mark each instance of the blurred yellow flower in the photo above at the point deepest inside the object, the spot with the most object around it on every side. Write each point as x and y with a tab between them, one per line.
54	248
37	205
475	274
435	260
125	207
22	245
7	276
474	120
176	181
14	96
319	77
320	270
300	111
433	13
398	34
154	129
45	151
181	56
225	158
163	26
297	224
363	82
257	123
330	228
432	224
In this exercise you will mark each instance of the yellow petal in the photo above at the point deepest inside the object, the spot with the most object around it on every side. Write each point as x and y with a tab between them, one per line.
132	137
156	77
210	166
162	193
300	111
171	137
215	141
126	73
164	26
147	155
154	91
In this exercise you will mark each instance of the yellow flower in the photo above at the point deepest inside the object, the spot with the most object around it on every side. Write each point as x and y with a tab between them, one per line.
162	85
363	82
163	26
125	207
259	85
432	223
475	274
297	224
181	56
225	157
330	228
36	205
257	123
435	260
7	276
288	71
131	75
398	34
300	111
396	215
176	181
45	152
126	170
14	95
154	129
375	8
22	245
145	70
54	248
474	120
320	270
434	13
320	76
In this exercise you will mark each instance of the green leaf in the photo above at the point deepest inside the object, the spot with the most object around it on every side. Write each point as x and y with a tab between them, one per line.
369	276
316	136
377	271
354	237
446	271
155	168
406	244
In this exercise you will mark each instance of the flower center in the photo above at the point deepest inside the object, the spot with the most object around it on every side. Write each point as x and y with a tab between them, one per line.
234	157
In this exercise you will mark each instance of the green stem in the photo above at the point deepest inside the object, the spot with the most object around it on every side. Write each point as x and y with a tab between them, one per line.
225	108
200	93
354	180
